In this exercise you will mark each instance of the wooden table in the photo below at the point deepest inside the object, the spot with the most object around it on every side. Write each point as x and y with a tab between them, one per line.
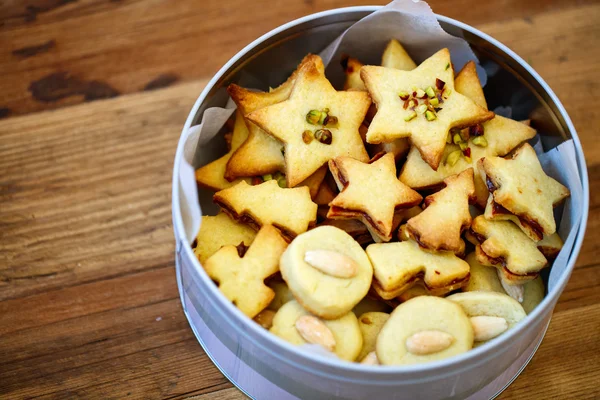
93	95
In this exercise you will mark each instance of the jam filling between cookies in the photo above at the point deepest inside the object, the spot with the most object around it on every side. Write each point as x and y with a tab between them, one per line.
526	221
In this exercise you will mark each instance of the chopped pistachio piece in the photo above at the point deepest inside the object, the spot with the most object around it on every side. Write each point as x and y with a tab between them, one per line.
313	117
404	95
449	138
420	93
430	115
331	121
480	141
307	136
469	160
324	136
447	66
447	93
282	182
410	116
434	102
463	145
267	177
457	138
453	157
430	92
422	108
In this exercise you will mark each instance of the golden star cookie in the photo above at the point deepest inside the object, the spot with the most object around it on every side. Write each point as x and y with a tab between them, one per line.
370	325
491	314
467	83
297	326
496	137
420	104
241	278
352	68
440	225
371	193
424	329
212	175
289	210
520	185
504	245
327	271
399	266
218	231
550	246
261	154
316	124
394	56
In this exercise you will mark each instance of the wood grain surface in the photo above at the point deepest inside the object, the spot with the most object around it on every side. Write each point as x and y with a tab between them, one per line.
93	95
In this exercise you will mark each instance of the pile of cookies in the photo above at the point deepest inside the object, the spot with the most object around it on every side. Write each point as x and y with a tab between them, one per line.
320	240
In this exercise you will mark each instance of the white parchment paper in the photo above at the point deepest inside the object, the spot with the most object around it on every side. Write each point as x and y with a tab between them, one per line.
414	24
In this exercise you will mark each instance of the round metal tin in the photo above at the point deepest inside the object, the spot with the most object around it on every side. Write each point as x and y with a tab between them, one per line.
264	366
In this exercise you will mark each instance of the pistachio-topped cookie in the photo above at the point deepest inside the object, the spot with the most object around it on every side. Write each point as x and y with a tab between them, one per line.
316	124
261	154
327	271
490	313
496	137
520	186
398	266
212	175
447	215
241	275
424	329
341	336
420	104
371	193
290	210
504	245
218	231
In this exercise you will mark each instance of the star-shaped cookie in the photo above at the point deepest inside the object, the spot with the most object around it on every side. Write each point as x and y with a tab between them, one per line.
501	136
440	226
212	175
218	231
241	277
520	185
400	265
262	154
505	246
289	210
420	104
316	124
371	193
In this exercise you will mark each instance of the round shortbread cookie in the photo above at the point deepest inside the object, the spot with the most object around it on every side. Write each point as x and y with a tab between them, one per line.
431	316
490	304
370	325
345	330
324	294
